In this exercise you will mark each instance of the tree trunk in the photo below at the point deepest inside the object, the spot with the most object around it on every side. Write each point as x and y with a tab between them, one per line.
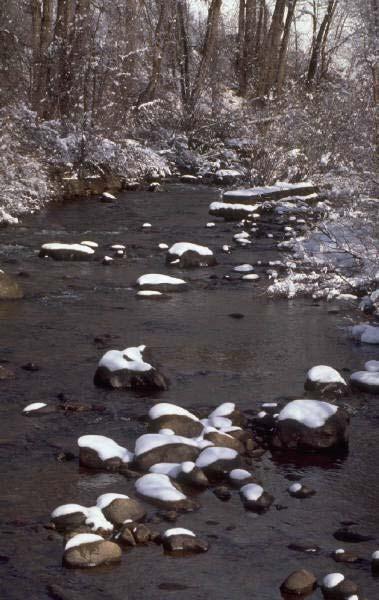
324	28
272	48
208	49
284	47
183	44
161	37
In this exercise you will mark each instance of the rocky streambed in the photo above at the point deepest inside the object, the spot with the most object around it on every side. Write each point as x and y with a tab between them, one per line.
222	340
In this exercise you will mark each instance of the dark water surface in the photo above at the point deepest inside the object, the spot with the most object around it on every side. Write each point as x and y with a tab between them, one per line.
210	358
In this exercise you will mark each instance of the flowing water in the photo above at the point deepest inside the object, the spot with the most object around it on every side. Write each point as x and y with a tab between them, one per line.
210	358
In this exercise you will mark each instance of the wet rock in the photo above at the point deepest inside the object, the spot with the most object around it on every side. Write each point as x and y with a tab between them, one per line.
255	498
185	256
299	583
161	283
179	420
118	508
100	452
155	186
236	316
107	197
128	369
219	438
68	252
6	373
183	541
30	366
375	562
191	476
335	587
90	550
326	381
189	179
9	288
162	491
306	547
222	493
351	536
298	490
311	425
153	448
341	556
217	462
132	534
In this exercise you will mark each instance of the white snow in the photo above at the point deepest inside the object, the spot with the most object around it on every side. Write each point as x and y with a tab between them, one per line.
372	366
166	431
159	487
109	196
332	580
72	247
157	279
370	378
170	469
224	410
367	334
258	192
187	466
163	246
324	374
108	259
339	551
82	538
146	225
34	406
178	531
295	487
244	268
105	447
311	413
118	247
216	423
269	405
96	520
90	244
210	224
181	247
106	499
214	453
248	208
68	509
250	277
130	359
150	441
252	492
375	555
165	408
149	293
239	474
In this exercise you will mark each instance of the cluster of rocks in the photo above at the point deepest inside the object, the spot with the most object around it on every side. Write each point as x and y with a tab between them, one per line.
334	586
95	536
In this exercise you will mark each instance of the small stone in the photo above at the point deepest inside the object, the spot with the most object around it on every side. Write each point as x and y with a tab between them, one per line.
30	366
90	550
222	493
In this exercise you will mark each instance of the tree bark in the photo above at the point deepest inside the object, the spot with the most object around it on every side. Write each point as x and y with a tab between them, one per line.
316	50
284	47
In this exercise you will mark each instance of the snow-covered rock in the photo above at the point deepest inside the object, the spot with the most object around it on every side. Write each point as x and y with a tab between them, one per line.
180	540
217	461
161	283
100	452
128	369
179	420
160	490
311	425
335	586
255	498
59	251
90	550
153	448
325	380
187	255
367	381
118	508
232	212
299	583
366	334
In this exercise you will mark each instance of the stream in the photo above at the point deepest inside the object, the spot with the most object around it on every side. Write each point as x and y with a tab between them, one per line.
210	358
